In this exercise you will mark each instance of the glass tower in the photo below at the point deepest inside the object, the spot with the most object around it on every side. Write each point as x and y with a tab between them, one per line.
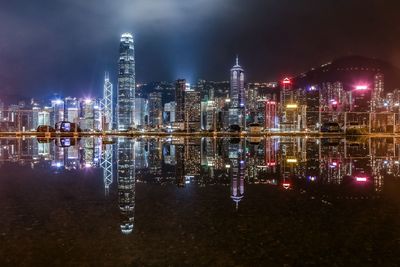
236	95
126	83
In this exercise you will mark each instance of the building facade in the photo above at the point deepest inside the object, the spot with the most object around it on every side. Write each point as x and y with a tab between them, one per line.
237	95
126	83
155	109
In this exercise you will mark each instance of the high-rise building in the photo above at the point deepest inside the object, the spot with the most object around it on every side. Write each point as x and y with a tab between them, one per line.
289	106
192	110
1	110
169	113
57	112
126	83
71	109
377	93
44	117
90	118
107	103
141	112
208	115
311	101
237	95
270	117
155	109
180	88
35	116
87	114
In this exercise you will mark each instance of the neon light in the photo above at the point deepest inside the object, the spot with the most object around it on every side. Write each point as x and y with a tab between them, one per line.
286	81
312	178
286	185
333	165
291	160
361	87
361	179
291	106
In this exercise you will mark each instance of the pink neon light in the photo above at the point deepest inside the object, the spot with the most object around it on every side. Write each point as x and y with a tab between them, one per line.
361	87
361	179
286	185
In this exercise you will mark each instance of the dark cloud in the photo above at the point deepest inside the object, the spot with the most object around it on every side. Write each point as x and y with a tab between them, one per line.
65	46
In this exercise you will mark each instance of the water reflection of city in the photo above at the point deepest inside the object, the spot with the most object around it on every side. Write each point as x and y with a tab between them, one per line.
332	168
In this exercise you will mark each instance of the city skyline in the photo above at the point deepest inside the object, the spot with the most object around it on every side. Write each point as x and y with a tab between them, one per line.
354	95
200	133
171	48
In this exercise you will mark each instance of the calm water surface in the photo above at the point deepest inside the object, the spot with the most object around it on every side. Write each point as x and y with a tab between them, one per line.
200	202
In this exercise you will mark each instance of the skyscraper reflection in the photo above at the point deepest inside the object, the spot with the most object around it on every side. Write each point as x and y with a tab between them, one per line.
126	183
107	166
236	170
350	167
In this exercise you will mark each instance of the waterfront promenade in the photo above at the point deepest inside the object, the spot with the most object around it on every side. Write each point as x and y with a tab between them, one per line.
189	134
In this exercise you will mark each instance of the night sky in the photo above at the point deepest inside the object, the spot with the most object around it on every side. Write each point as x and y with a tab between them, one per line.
64	46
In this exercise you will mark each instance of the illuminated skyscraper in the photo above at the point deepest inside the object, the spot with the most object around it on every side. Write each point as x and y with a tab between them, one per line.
208	115
169	113
71	109
107	103
270	119
155	109
237	95
57	112
379	86
126	82
192	110
90	117
180	88
141	112
35	116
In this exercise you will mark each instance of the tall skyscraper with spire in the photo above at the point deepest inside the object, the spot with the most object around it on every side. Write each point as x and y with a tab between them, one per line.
237	95
107	103
126	83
